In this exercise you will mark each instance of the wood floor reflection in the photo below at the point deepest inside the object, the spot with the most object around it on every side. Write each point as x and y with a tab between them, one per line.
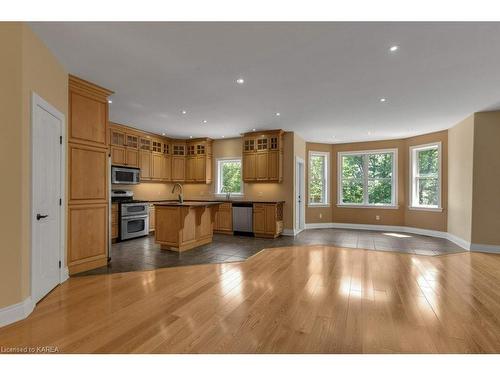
311	299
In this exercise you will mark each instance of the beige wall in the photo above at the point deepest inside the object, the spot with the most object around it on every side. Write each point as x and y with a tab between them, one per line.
26	65
400	216
486	179
10	162
460	156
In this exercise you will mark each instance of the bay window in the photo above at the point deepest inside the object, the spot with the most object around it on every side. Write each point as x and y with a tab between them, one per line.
425	176
318	178
367	178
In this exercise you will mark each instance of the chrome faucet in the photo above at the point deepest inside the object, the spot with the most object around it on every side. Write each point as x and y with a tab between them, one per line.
228	193
181	198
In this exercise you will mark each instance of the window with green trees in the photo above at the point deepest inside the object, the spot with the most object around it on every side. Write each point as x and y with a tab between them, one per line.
425	176
367	178
318	177
229	176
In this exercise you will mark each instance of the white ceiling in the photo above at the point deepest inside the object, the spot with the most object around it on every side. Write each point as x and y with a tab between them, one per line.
326	79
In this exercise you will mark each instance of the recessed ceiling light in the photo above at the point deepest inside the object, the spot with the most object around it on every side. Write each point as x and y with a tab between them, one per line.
110	101
369	132
205	121
162	133
190	136
393	48
183	111
223	136
383	100
278	114
253	129
240	81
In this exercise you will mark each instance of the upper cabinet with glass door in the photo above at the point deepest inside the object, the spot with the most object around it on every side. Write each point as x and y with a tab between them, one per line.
263	156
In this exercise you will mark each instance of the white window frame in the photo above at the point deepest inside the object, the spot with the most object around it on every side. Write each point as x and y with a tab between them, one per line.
326	202
412	184
218	181
394	204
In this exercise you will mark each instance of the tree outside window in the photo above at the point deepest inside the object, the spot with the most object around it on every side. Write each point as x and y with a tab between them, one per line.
318	178
367	178
229	176
425	168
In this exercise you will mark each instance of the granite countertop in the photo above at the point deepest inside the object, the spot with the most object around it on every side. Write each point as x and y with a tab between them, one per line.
212	201
186	203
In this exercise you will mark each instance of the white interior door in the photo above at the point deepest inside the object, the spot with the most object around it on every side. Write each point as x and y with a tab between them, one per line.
47	131
300	195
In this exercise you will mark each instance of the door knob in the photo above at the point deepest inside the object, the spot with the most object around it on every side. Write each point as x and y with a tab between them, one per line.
38	216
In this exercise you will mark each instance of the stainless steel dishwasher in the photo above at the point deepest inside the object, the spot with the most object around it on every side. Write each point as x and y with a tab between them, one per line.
243	218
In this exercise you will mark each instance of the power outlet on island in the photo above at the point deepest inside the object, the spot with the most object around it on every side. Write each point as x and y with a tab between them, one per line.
320	215
260	193
377	217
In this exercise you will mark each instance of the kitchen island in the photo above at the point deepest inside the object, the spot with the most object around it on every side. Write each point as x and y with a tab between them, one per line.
184	226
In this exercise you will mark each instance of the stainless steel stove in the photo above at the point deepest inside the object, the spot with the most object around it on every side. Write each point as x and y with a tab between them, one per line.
133	215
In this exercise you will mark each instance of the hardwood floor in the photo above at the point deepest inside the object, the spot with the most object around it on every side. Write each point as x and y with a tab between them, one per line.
311	299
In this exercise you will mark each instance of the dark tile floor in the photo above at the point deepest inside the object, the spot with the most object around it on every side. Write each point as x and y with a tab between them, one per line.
144	254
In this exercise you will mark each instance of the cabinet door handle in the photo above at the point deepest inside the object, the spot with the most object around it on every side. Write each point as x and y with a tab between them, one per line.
39	216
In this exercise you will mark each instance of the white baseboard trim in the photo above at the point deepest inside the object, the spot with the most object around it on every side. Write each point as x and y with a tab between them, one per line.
494	249
459	241
64	274
395	228
388	228
291	232
13	313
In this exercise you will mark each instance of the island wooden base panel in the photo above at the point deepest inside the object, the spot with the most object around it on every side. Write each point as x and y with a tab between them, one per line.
188	245
313	299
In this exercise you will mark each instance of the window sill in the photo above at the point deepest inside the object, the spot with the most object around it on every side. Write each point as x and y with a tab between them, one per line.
431	209
382	207
233	195
318	205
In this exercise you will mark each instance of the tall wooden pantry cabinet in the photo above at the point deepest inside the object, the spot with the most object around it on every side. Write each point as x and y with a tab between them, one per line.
88	147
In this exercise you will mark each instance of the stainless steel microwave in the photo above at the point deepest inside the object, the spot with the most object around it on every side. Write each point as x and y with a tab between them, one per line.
125	175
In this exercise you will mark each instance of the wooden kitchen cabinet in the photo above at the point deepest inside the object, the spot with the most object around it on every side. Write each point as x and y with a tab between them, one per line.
223	222
263	156
132	158
249	167
88	148
178	168
88	177
274	165
157	167
124	156
124	146
145	165
268	219
114	222
190	168
117	137
161	159
118	155
167	168
151	217
178	161
201	167
261	167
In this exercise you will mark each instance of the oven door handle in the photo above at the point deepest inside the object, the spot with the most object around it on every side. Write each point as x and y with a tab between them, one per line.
134	217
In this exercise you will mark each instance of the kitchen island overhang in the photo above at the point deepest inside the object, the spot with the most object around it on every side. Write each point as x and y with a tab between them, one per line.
184	226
